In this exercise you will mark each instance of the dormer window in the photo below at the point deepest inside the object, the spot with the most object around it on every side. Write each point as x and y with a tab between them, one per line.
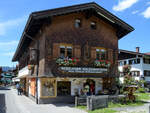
93	25
77	23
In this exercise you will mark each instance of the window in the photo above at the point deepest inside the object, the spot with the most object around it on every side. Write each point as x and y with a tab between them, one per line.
146	60
135	73
125	62
130	62
146	73
65	51
62	51
48	87
63	88
138	61
101	54
134	61
69	52
93	25
77	23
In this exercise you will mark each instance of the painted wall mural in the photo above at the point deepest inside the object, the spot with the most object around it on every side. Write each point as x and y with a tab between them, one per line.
48	87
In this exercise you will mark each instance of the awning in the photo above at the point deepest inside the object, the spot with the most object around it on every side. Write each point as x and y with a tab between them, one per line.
16	79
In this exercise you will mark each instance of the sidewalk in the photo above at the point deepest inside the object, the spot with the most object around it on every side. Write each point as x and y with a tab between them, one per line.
26	105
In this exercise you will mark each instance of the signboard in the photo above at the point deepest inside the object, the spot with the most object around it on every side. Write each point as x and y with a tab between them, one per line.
83	70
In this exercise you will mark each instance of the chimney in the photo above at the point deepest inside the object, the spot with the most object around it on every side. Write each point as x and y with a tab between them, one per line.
137	49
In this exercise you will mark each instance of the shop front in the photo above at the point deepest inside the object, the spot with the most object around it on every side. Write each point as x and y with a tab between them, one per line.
65	89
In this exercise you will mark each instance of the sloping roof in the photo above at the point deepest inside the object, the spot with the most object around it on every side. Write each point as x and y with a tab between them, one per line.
147	53
36	20
133	52
125	54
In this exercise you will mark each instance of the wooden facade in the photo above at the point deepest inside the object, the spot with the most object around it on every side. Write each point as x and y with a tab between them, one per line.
58	34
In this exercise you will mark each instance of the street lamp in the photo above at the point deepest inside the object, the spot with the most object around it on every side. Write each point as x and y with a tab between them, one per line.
34	55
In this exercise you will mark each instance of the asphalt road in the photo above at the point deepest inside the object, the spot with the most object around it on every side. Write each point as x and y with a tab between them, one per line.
7	101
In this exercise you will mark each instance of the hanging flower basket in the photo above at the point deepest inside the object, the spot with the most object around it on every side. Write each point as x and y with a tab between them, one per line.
67	61
102	63
30	67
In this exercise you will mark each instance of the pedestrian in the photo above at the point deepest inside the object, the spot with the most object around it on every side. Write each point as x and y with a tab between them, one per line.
18	88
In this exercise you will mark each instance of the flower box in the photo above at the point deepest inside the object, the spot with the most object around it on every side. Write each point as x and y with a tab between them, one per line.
67	61
102	63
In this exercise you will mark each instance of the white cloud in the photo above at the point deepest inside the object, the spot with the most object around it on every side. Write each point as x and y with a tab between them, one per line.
8	46
134	12
11	43
146	13
4	26
9	54
124	4
148	3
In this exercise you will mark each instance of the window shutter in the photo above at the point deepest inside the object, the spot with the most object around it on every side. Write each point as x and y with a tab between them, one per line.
110	55
77	51
93	52
56	50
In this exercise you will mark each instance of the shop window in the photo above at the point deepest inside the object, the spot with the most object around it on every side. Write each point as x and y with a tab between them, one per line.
93	25
63	88
48	87
77	23
101	54
65	51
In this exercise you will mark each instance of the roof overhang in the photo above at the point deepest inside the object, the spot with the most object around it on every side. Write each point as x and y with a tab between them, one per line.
37	19
125	54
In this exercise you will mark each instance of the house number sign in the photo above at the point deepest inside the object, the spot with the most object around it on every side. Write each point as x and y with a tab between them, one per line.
83	70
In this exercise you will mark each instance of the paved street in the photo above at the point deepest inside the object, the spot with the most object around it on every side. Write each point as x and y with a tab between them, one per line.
7	101
10	102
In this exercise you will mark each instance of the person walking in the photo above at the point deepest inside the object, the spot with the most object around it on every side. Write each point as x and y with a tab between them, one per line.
18	88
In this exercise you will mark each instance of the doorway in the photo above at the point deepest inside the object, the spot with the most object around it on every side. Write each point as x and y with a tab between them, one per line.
89	87
63	88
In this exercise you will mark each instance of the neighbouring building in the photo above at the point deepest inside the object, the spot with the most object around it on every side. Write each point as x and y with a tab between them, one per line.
139	62
69	51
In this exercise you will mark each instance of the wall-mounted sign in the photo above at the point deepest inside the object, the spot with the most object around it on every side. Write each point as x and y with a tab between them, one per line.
83	70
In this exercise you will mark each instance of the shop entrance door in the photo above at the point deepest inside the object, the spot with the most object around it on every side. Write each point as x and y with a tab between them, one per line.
63	88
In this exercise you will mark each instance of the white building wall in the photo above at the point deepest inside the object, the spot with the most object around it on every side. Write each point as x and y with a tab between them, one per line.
137	67
39	89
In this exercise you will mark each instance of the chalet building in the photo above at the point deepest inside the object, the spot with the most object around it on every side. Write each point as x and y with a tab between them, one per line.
139	62
69	51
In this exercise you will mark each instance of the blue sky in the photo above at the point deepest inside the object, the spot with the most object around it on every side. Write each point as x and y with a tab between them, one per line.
14	14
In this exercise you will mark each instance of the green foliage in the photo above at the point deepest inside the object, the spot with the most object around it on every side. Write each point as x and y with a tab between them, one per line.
104	110
126	69
143	96
141	90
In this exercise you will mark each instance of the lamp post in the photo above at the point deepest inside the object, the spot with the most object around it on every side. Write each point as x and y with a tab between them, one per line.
37	62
